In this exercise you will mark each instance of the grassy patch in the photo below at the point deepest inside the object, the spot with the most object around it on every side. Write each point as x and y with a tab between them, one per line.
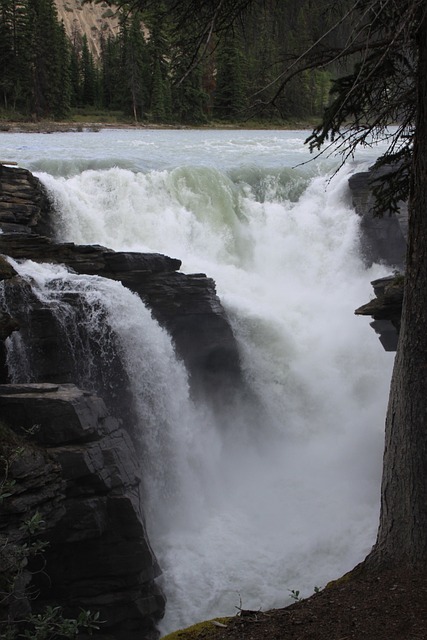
205	629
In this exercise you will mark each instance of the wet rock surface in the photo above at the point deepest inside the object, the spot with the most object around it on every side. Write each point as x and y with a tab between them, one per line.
79	471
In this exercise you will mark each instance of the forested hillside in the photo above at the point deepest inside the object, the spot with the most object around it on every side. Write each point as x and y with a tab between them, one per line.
140	65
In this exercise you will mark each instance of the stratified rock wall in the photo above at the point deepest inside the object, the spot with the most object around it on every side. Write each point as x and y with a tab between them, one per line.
81	474
24	203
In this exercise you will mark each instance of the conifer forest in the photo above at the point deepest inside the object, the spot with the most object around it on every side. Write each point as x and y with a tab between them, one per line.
147	69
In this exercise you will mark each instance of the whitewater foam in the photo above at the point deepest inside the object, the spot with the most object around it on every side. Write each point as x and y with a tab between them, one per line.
293	502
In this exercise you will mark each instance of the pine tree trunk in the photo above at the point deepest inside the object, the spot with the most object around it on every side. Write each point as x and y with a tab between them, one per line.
402	533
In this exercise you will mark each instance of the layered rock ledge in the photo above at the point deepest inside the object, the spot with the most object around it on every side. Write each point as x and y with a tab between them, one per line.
24	204
385	309
78	470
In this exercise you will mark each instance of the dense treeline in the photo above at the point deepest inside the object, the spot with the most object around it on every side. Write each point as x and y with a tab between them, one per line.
34	58
147	71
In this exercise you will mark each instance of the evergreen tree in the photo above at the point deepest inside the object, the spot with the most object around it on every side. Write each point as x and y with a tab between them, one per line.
62	90
160	55
136	69
14	53
189	99
75	83
230	97
75	79
389	84
88	75
111	73
49	65
158	97
260	46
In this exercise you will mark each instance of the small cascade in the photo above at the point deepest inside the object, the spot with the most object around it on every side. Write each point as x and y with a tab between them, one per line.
65	335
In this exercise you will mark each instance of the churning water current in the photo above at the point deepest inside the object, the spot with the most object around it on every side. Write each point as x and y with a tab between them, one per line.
261	509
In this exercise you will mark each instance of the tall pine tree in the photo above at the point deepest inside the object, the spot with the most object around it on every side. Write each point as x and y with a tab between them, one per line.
160	54
230	97
15	47
136	69
50	87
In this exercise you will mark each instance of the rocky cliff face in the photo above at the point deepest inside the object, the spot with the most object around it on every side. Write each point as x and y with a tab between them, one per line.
91	19
383	240
80	470
24	205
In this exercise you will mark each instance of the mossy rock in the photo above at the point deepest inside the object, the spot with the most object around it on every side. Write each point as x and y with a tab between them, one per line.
355	573
207	629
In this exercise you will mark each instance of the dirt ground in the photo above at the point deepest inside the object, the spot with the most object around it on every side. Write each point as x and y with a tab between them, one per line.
388	606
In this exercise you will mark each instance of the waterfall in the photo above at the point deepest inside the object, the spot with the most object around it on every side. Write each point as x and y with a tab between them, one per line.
243	515
102	322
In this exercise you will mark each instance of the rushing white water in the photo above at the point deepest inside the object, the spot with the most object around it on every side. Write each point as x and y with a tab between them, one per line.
293	502
120	323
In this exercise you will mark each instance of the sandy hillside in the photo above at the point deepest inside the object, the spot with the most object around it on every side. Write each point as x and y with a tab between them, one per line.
90	19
